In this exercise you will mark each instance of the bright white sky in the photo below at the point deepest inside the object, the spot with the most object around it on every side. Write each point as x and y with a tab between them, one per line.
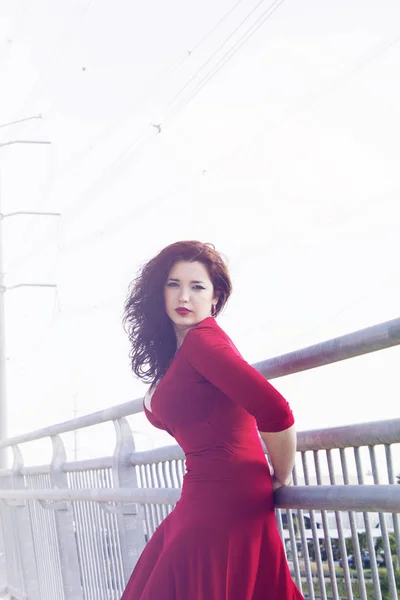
287	160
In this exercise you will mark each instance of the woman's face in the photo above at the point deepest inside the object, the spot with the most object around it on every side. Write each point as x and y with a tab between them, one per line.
189	295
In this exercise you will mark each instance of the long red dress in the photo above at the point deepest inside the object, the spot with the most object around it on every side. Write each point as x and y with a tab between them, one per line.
221	541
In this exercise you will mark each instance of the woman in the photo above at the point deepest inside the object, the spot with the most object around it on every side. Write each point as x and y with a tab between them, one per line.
221	541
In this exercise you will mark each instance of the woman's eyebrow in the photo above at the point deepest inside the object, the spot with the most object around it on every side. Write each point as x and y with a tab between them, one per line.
178	280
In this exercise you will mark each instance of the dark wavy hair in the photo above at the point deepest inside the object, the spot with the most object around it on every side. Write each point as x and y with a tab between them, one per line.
150	330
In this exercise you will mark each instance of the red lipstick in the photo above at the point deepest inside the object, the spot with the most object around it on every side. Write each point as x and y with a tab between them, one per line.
182	311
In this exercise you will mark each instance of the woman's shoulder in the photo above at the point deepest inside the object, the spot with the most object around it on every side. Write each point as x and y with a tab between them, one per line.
208	333
207	327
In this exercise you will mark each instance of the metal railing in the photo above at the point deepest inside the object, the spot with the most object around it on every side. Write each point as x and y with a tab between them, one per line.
74	530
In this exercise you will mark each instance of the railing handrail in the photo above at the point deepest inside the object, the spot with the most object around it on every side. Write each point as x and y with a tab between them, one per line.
102	416
363	341
365	498
349	436
357	343
371	433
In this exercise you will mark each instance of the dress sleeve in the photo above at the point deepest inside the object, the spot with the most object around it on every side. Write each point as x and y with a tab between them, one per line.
213	355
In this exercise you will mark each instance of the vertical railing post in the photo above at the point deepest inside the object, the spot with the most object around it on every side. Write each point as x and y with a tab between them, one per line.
26	547
131	517
67	544
3	562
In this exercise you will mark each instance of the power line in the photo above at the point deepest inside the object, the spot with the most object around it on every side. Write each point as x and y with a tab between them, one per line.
308	100
210	58
113	168
124	155
153	86
211	31
231	52
125	220
312	98
118	162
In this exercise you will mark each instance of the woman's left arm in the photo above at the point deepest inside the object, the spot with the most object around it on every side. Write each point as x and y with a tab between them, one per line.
213	355
281	446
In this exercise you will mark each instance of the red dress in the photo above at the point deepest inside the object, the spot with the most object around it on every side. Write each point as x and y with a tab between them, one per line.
221	541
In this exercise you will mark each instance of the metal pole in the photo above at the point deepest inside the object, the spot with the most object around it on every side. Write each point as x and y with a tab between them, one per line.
3	406
75	412
21	121
3	384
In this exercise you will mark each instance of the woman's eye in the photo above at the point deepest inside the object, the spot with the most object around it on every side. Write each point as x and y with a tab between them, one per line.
199	287
172	284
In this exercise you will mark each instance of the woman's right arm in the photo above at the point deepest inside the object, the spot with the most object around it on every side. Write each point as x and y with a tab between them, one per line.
281	447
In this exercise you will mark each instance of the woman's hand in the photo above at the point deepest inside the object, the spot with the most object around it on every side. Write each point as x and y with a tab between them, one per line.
276	484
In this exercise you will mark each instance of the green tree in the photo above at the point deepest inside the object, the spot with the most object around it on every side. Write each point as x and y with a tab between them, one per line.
384	581
393	549
349	546
392	540
362	540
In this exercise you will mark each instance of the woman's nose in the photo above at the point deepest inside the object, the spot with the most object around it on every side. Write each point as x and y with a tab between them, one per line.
183	295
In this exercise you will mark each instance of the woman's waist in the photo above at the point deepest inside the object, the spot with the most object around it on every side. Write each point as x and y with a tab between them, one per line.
222	467
229	490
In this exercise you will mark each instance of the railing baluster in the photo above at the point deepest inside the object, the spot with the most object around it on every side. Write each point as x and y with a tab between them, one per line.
139	469
65	527
11	560
26	548
395	516
339	525
320	568
162	483
152	519
328	543
91	580
112	524
170	483
181	471
385	536
307	563
98	527
155	484
42	549
100	539
368	531
130	520
293	544
278	516
354	533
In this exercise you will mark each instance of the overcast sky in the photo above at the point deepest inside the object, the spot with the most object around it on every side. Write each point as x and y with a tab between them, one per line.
286	157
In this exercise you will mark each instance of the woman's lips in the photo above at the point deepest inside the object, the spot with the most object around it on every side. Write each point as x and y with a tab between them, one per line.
182	311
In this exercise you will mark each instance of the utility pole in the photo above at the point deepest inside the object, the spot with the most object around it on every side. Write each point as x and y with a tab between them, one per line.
3	290
75	397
